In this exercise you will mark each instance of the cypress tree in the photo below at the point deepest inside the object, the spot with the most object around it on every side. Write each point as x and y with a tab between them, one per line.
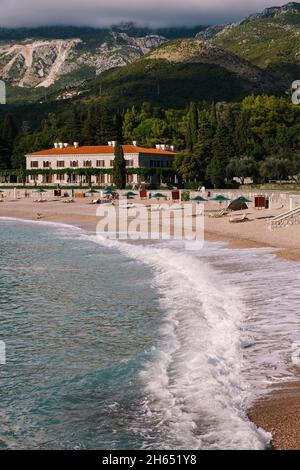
216	169
119	169
8	135
192	127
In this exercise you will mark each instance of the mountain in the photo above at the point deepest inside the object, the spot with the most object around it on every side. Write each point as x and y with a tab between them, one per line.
32	60
41	63
270	40
178	72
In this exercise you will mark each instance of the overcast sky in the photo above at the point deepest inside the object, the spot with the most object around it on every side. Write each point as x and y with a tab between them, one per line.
145	12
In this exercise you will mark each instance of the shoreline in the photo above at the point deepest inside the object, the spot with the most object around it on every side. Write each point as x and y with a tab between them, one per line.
276	412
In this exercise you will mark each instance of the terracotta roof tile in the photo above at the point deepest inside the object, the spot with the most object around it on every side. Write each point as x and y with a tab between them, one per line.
100	149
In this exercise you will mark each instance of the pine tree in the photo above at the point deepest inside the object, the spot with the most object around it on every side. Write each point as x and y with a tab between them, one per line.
119	169
8	135
130	122
204	145
192	127
216	169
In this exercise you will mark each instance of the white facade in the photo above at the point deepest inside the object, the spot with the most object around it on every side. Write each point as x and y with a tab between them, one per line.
101	157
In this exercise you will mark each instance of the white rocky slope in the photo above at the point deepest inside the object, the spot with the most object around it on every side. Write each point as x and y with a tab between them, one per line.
40	63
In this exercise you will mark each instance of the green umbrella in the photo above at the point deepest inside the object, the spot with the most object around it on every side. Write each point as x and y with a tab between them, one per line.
130	194
40	190
108	192
242	199
158	196
92	191
220	198
198	199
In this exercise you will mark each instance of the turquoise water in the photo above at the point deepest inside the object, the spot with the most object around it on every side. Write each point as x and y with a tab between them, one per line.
131	346
78	320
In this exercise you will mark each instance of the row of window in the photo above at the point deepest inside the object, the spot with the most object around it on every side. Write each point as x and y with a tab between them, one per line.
74	164
101	179
160	164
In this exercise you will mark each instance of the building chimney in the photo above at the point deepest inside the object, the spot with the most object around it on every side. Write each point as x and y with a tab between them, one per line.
66	145
56	145
157	146
61	145
76	144
172	148
113	143
134	143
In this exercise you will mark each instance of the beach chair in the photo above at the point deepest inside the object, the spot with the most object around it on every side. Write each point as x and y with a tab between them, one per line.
239	218
218	214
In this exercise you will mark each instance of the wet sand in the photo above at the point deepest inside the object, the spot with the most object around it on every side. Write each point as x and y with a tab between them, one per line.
278	412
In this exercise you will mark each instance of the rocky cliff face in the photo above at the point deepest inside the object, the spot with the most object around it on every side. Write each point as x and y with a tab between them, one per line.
38	63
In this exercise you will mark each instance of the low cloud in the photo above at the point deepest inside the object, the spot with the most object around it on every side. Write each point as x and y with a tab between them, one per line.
154	13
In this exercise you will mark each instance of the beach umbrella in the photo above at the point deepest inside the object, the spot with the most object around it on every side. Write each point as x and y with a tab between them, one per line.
109	192
239	204
198	199
130	194
40	191
220	198
158	196
242	199
92	191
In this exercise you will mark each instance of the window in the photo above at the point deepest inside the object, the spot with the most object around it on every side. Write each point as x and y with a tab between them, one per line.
60	177
46	164
74	164
155	163
111	163
100	179
129	179
129	163
87	164
34	164
60	164
100	163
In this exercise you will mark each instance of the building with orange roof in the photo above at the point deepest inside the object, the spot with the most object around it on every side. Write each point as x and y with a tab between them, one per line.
65	156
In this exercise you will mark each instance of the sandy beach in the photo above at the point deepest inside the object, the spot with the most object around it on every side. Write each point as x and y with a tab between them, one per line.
278	412
251	234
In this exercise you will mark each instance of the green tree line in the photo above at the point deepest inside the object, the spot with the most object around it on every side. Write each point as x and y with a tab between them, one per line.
258	137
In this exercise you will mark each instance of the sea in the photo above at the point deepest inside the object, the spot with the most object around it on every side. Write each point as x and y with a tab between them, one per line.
118	345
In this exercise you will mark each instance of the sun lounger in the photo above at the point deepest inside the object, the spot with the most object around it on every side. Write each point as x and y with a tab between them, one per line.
218	214
237	219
